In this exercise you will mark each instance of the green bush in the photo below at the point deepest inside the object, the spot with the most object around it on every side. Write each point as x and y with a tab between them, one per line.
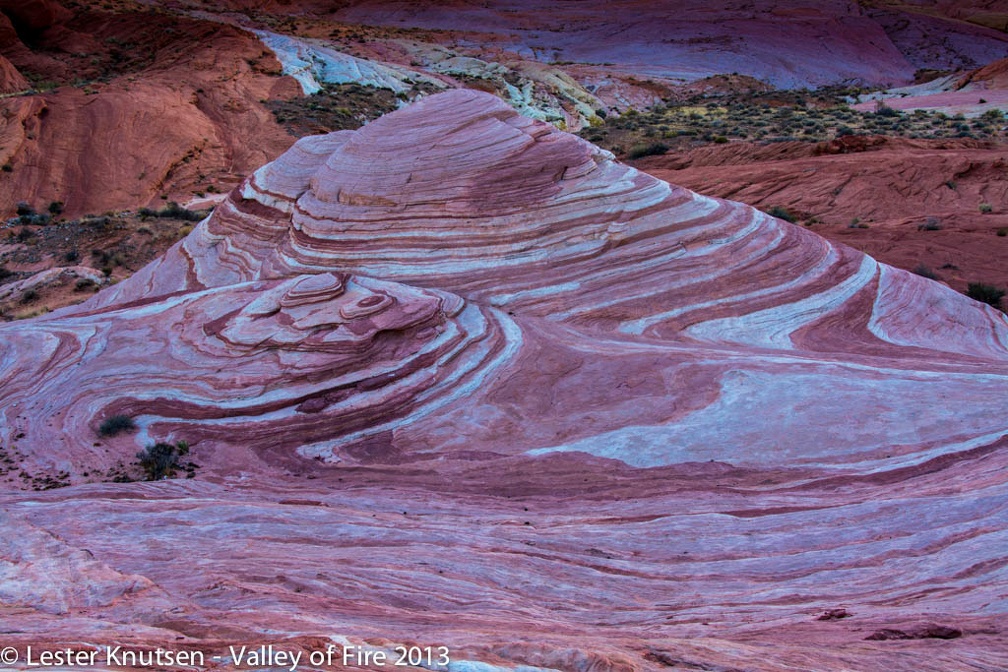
986	208
116	424
782	213
884	110
172	211
988	294
161	460
652	149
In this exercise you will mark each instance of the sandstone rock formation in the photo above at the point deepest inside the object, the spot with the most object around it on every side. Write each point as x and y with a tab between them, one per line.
789	43
459	378
909	203
131	106
970	94
159	103
11	81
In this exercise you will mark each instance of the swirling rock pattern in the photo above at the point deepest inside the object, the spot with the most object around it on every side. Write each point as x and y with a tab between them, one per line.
585	419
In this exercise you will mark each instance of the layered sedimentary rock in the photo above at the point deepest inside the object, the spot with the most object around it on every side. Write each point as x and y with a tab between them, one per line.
167	109
916	199
832	40
458	377
972	94
605	262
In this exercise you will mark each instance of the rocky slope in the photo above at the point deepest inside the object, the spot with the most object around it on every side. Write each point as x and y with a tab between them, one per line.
910	203
789	43
110	106
126	107
971	94
458	378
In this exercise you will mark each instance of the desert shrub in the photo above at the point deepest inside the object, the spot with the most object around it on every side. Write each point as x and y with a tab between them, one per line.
83	284
782	213
38	219
115	424
5	273
931	224
29	296
98	222
23	209
652	149
988	294
884	110
986	208
1002	232
175	211
72	257
161	460
925	272
56	207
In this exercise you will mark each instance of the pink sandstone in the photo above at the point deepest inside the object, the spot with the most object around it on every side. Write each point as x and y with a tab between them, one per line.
460	378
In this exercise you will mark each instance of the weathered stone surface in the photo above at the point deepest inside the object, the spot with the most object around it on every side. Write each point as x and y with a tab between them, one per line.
916	199
460	378
971	94
176	124
790	43
11	80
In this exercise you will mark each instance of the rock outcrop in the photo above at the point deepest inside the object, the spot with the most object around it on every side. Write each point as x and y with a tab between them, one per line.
909	203
972	94
460	378
129	107
832	40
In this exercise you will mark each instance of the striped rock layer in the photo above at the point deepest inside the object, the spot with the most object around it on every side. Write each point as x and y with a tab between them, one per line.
613	423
